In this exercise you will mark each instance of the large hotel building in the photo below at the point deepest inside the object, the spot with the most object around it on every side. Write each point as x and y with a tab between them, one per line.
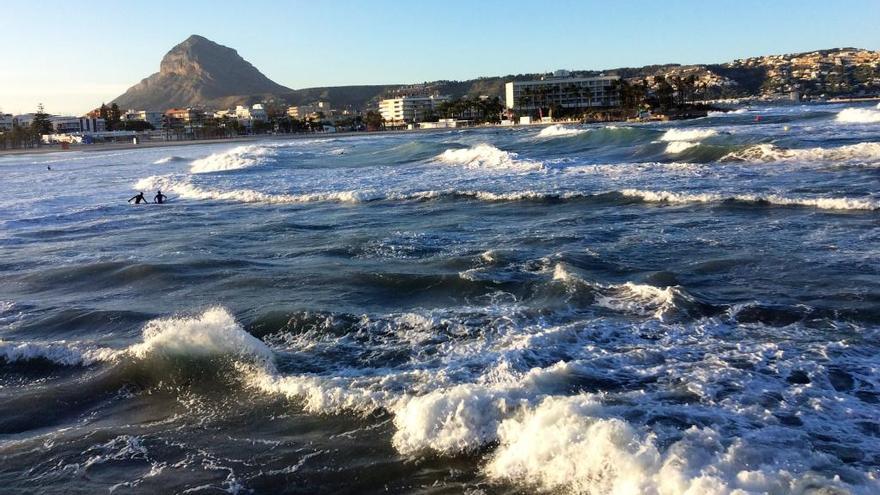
567	92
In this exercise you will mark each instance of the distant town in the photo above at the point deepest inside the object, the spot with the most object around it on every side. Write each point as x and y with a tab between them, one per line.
648	93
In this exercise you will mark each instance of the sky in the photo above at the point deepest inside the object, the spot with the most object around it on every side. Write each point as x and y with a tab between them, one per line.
74	56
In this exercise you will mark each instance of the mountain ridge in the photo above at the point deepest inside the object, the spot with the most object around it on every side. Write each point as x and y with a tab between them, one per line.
200	72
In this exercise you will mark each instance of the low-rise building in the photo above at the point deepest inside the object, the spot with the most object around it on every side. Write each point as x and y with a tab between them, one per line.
188	116
92	125
409	109
66	125
313	110
563	90
7	122
155	119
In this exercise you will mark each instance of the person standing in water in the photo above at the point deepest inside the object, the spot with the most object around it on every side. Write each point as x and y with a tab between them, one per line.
160	198
138	199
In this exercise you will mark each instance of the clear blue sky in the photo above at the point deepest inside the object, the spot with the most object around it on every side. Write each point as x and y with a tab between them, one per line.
72	56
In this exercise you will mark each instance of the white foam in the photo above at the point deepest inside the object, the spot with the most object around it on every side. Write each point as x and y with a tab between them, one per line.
486	156
186	190
629	297
168	159
211	333
558	130
459	419
61	352
675	147
770	153
687	134
716	113
234	159
858	116
565	444
640	299
712	197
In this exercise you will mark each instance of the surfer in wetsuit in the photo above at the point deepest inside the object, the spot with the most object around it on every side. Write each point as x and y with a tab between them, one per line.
138	199
160	198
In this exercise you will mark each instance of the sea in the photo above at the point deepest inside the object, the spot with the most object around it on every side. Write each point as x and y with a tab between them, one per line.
687	307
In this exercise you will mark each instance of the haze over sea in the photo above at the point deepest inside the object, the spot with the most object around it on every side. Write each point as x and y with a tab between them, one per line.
687	307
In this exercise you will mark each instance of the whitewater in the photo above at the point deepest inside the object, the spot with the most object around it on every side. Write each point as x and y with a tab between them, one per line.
666	308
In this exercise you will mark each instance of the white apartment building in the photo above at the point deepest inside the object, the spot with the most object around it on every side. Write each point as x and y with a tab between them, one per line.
567	92
408	109
152	118
248	115
302	112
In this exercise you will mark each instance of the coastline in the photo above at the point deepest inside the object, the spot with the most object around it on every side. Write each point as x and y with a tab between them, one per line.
89	148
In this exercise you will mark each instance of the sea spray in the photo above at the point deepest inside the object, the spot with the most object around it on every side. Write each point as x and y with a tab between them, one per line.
858	116
234	159
558	130
486	156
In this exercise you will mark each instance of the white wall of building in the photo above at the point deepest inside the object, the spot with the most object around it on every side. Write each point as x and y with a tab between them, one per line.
408	108
568	92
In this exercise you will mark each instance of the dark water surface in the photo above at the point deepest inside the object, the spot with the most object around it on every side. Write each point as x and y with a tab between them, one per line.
582	309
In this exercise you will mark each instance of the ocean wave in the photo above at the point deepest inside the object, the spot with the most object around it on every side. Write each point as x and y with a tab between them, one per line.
527	433
234	159
570	444
773	153
61	353
716	113
211	333
858	116
168	159
558	130
712	197
486	156
675	147
629	297
186	190
687	134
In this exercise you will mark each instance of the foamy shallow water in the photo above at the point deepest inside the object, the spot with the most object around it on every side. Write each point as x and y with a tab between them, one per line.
666	308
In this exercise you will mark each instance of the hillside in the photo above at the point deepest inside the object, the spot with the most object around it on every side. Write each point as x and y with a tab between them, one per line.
199	72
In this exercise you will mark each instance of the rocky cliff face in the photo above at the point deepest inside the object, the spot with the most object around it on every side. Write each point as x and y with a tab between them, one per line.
199	72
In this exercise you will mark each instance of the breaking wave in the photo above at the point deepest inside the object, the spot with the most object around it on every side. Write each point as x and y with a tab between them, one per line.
675	147
558	130
681	140
186	190
532	437
486	156
821	203
234	159
720	113
61	353
773	153
169	159
213	332
687	134
858	116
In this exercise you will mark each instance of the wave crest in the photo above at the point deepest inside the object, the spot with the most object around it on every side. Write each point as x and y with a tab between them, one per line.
234	159
687	134
858	116
558	130
487	156
773	153
684	198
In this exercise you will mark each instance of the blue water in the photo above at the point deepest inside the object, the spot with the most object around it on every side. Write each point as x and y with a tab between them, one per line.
628	308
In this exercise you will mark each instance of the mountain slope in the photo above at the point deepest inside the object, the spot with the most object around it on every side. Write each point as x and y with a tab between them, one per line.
200	72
